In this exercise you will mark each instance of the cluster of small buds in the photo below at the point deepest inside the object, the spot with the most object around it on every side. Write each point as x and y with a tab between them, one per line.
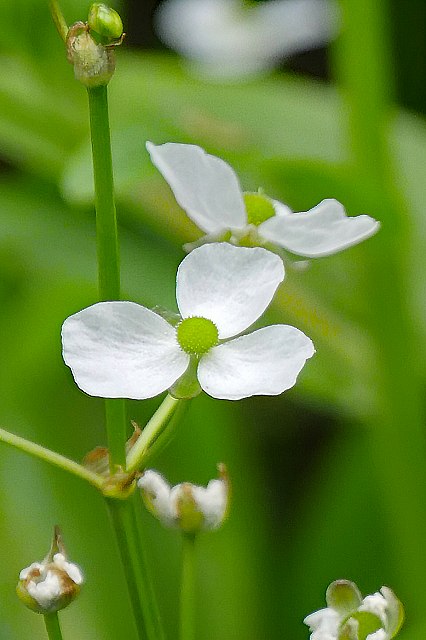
50	585
90	45
186	506
348	616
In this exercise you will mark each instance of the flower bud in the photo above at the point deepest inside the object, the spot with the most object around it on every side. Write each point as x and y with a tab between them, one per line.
349	617
186	506
94	64
50	585
104	23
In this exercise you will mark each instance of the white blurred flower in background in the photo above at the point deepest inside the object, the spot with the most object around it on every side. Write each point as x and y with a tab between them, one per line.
230	39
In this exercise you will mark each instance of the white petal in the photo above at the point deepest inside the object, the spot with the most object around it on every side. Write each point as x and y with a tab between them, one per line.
122	350
322	231
229	42
266	362
205	186
159	493
232	286
212	502
323	624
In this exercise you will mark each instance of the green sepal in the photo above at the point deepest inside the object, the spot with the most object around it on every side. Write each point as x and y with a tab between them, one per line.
367	623
343	596
105	24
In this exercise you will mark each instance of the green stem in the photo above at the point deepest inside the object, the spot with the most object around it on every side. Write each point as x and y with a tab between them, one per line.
108	254
52	626
187	594
58	19
151	432
150	605
165	436
396	427
51	457
142	597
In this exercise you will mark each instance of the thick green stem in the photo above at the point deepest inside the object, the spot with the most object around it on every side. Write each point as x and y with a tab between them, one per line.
187	594
108	254
124	518
151	609
51	457
127	542
52	626
396	428
152	431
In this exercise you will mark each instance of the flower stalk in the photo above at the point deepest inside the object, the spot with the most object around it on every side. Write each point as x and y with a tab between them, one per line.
187	593
108	253
52	626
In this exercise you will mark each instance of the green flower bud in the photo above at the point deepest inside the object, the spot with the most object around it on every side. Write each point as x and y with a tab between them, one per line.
50	585
104	23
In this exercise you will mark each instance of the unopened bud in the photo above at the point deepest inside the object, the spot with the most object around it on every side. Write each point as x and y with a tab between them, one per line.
94	64
50	585
186	506
105	24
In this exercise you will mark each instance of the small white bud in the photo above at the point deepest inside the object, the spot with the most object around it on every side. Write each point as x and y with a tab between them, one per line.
50	585
186	506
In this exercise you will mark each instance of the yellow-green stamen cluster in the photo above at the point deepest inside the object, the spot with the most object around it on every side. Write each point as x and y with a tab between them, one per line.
197	335
259	208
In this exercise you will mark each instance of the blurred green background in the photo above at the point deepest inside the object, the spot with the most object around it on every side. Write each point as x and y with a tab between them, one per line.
309	505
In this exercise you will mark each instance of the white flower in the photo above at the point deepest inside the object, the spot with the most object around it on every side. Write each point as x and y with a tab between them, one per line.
207	188
50	585
349	617
123	350
187	506
226	40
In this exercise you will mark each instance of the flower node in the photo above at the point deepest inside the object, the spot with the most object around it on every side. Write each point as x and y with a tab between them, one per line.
197	335
259	208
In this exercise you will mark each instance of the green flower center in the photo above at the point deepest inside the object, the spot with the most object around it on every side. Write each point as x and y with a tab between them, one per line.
197	335
259	208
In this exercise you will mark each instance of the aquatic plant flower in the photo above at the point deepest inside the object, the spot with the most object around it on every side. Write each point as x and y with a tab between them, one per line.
186	506
228	40
350	617
207	188
124	350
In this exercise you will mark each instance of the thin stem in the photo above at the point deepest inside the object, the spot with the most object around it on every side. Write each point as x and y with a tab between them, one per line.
51	457
139	587
396	427
187	594
52	626
108	254
165	436
150	605
58	19
152	430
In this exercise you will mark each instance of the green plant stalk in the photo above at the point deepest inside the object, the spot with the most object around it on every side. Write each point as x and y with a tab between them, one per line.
51	457
128	542
108	254
396	428
58	19
187	593
149	604
52	626
152	431
165	436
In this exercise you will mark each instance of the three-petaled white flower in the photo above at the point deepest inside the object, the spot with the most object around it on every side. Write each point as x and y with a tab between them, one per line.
207	188
186	506
350	617
122	349
227	40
